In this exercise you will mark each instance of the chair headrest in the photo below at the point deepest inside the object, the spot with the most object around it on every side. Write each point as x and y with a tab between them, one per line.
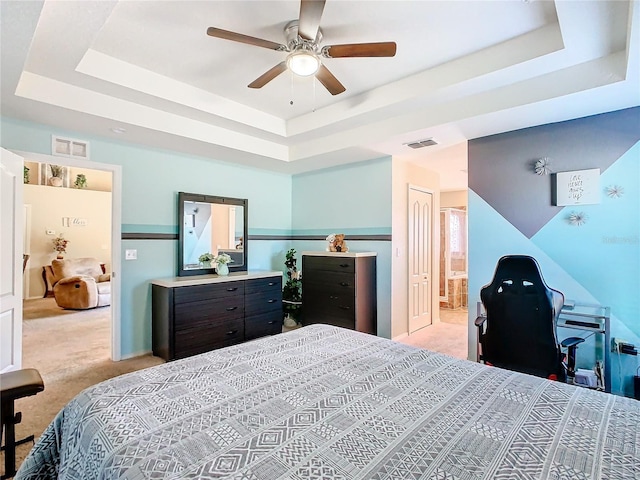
76	266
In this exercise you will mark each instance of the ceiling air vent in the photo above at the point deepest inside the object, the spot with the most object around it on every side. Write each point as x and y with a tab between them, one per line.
422	143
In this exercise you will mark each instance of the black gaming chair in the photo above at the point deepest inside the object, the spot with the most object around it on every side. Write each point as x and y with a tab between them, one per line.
519	330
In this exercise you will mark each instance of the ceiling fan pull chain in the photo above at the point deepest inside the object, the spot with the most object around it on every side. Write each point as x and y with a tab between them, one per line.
314	94
291	77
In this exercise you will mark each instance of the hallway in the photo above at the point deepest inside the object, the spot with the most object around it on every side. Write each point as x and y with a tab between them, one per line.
449	336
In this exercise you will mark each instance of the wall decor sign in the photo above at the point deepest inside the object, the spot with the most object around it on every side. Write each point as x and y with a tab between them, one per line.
580	187
74	222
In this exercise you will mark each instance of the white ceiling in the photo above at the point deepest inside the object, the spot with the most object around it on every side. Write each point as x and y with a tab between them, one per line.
463	69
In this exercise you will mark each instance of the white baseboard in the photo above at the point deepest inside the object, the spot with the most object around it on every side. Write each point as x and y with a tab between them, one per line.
135	354
398	337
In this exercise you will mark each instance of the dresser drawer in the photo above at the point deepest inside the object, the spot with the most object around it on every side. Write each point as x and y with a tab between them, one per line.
331	306
263	302
210	291
191	341
329	282
330	264
269	284
261	325
196	313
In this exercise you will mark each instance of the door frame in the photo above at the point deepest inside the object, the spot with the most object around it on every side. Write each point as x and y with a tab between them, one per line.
432	246
116	232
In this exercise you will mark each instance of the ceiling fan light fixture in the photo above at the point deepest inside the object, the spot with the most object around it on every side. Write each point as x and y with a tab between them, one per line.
303	63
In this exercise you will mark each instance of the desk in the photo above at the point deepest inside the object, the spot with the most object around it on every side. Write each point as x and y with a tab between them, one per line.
590	318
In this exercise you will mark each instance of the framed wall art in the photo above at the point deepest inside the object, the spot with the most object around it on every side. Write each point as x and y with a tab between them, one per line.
579	187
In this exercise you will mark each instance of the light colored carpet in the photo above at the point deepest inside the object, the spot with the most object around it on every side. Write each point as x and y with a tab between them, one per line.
71	350
449	336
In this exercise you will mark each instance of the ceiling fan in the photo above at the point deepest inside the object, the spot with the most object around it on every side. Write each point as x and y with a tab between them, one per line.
303	38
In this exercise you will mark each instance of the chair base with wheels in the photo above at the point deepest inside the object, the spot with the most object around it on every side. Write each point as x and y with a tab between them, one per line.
13	386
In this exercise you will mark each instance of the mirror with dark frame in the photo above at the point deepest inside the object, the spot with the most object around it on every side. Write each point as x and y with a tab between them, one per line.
214	225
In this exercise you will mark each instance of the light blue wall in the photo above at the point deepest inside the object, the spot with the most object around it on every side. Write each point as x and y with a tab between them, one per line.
511	212
354	200
151	180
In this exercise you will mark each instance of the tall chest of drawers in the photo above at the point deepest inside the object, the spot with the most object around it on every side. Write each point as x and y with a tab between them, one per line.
340	289
194	315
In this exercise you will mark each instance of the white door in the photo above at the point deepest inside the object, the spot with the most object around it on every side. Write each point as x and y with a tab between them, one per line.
419	259
11	220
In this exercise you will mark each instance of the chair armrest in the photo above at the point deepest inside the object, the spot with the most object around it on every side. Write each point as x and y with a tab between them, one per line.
571	341
74	279
105	277
480	321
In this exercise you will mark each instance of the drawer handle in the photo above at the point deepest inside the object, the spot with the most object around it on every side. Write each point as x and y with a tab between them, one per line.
344	265
333	297
231	309
344	284
272	300
271	284
272	322
232	332
232	289
345	308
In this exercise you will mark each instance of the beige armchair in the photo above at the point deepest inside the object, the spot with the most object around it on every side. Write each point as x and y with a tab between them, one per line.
80	283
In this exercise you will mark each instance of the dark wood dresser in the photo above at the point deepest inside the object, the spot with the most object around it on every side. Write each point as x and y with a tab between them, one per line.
192	315
340	289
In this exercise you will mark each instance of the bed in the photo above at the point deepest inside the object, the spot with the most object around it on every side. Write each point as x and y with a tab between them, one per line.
326	402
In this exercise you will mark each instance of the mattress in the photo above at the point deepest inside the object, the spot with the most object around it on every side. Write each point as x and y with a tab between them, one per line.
323	402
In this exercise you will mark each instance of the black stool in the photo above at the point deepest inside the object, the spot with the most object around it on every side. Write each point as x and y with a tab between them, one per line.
15	385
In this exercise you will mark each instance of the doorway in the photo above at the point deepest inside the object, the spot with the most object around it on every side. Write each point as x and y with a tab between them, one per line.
453	281
111	243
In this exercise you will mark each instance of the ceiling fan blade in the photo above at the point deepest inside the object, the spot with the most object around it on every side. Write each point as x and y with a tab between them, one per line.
266	77
309	19
238	37
331	83
379	49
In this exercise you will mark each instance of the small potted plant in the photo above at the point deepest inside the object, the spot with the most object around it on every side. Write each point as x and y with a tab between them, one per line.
222	261
81	181
205	259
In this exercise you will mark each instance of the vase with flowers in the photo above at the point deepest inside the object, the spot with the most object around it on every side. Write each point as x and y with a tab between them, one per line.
60	246
222	264
205	259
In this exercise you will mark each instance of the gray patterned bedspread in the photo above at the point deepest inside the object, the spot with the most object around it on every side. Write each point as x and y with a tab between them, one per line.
327	403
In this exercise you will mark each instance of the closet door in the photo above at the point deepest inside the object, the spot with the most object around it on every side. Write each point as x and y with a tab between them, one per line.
420	215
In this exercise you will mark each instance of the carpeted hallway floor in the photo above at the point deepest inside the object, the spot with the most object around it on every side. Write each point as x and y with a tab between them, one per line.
448	336
71	349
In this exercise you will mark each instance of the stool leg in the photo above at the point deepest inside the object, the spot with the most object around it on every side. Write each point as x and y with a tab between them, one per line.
8	414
